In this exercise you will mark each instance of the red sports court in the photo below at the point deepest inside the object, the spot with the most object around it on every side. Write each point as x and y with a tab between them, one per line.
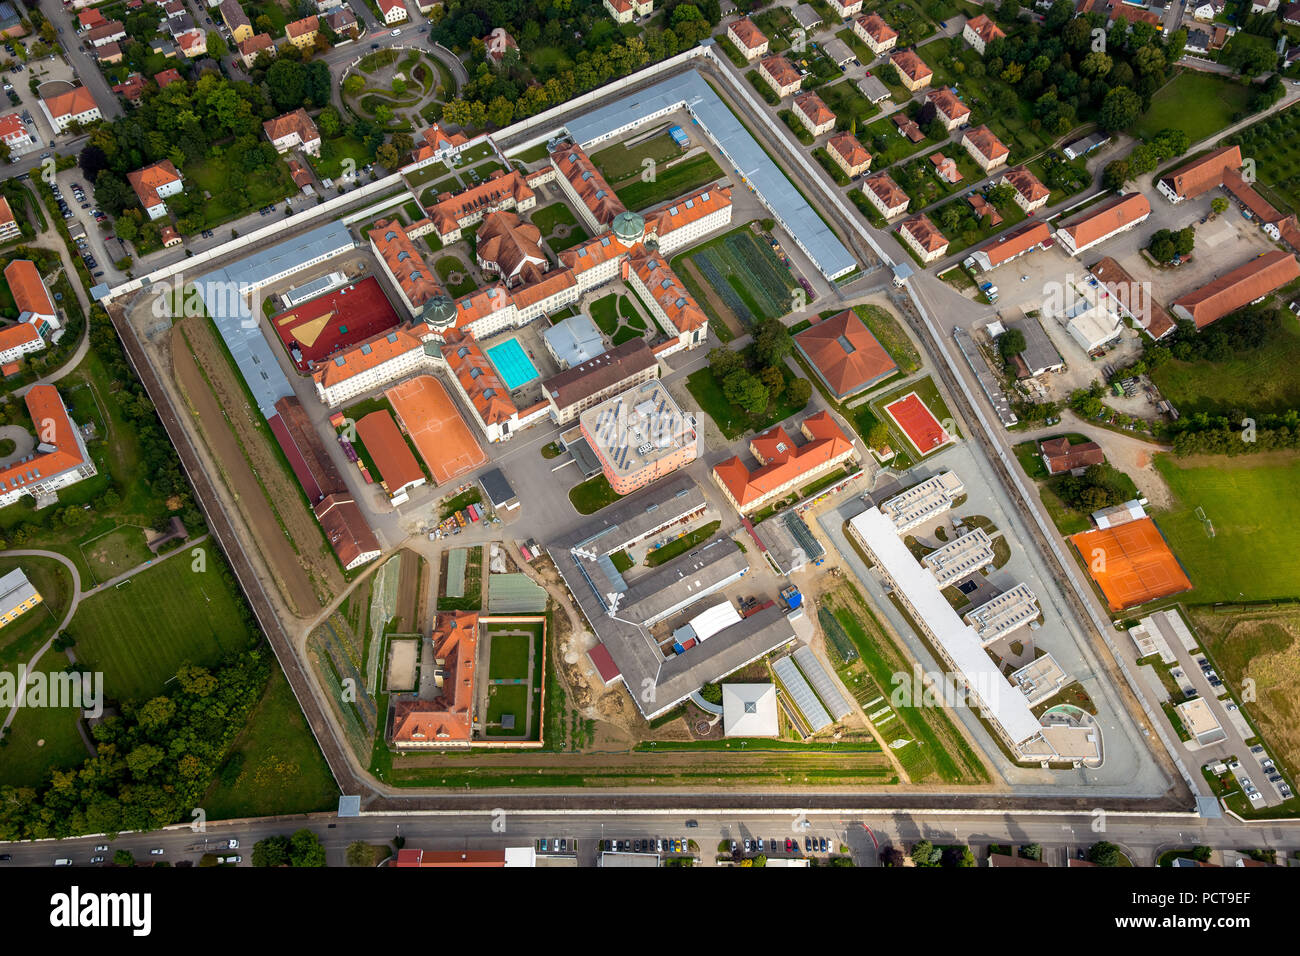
334	321
918	423
1131	563
445	441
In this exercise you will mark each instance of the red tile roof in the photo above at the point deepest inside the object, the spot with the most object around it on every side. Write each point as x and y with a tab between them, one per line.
911	65
57	451
1202	175
781	461
1123	286
512	245
72	103
847	147
781	70
167	77
1106	219
678	213
947	103
391	455
876	28
146	182
812	107
1017	241
29	292
845	353
887	191
1061	456
301	28
405	261
450	716
477	377
596	194
666	289
1259	277
1027	184
498	191
988	145
925	233
748	34
364	356
985	29
296	121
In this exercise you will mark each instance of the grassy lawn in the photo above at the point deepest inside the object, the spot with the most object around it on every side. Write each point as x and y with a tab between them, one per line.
275	766
847	104
221	204
337	151
509	657
731	420
670	182
1197	103
548	217
192	618
42	739
20	639
508	699
427	174
681	545
1252	503
619	163
887	145
532	154
604	312
1261	381
449	264
592	495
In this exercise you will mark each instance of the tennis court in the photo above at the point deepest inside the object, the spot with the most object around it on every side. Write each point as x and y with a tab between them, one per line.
1131	563
512	363
918	423
336	320
441	435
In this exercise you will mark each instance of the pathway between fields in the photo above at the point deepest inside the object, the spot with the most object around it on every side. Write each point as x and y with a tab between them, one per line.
78	595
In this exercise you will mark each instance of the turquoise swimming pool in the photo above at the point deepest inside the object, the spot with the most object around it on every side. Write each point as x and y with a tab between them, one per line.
512	364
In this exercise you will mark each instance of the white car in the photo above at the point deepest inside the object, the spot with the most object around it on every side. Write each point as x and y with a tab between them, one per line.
395	33
157	851
233	844
1256	795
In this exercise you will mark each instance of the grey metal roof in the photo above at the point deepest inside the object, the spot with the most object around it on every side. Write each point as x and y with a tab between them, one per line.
873	89
822	683
802	695
223	293
838	51
497	488
734	141
575	340
807	16
1040	354
637	515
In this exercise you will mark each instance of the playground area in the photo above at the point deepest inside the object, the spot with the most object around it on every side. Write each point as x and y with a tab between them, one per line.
441	435
341	318
918	423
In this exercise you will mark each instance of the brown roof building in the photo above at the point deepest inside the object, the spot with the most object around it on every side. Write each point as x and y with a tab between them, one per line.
923	237
510	248
1061	457
1013	245
985	148
849	154
580	387
346	530
1259	277
952	111
907	126
780	74
1031	194
886	195
1102	222
1200	175
583	183
783	465
1134	298
390	453
911	69
845	355
448	719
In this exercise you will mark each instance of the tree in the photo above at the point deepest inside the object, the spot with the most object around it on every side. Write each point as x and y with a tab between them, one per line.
1119	110
1001	195
925	853
123	858
273	851
772	377
387	156
217	46
354	84
1116	174
329	123
723	361
744	390
772	342
878	435
1202	854
1011	343
1104	853
798	393
1219	205
286	82
1032	852
891	856
305	849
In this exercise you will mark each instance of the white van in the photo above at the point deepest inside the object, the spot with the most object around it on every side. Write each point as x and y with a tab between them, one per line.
63	862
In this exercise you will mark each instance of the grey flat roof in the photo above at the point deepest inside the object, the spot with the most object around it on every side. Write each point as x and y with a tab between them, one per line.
807	16
656	682
1039	354
240	328
744	153
637	515
575	340
873	89
497	488
838	51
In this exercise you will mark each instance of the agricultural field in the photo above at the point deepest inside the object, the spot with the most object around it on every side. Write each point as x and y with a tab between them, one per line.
1251	502
1274	144
142	630
744	272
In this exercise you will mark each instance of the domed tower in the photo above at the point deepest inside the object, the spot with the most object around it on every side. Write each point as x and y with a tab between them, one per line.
629	227
439	313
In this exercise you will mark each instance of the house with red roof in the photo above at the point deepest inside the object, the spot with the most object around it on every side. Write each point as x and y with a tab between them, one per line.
446	720
844	354
875	33
980	31
60	458
747	38
985	148
783	465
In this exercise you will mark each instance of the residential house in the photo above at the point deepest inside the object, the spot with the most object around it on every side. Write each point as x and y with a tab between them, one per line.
293	130
780	74
923	238
886	195
1031	194
980	31
912	71
153	184
747	38
1101	222
985	148
815	115
951	111
849	154
878	35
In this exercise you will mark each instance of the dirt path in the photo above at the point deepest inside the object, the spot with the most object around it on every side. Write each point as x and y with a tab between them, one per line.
408	593
290	578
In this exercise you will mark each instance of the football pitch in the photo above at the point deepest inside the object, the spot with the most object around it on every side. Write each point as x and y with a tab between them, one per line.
1251	504
141	631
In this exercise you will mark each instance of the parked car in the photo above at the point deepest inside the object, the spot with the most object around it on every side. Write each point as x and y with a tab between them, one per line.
157	851
96	859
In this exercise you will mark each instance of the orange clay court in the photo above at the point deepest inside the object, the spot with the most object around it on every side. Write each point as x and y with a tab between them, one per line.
918	423
1135	563
429	416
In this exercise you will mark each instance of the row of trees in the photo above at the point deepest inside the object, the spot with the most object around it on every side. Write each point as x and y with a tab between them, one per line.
302	849
1144	158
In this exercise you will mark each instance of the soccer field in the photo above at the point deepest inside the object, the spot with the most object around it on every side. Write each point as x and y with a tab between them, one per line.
141	631
1252	504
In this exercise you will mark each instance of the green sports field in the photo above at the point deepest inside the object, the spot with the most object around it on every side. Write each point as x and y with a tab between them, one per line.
141	631
1252	504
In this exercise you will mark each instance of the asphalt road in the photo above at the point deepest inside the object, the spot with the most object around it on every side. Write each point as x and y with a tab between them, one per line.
1143	837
